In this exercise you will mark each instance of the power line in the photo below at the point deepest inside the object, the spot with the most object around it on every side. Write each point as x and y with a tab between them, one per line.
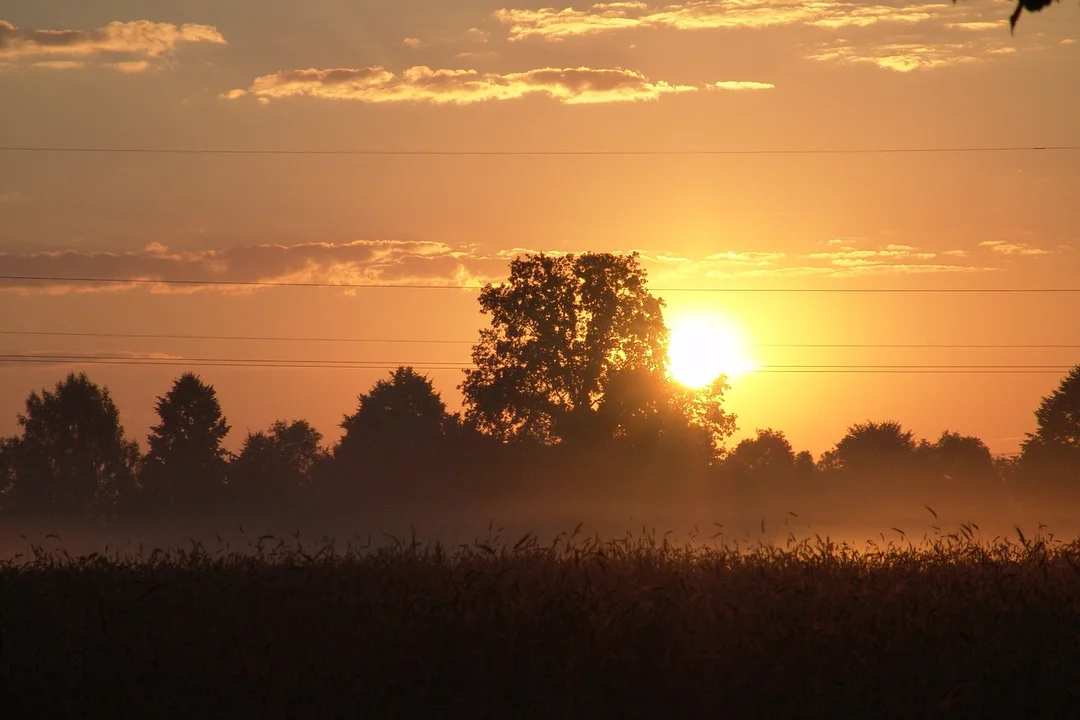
444	368
535	153
387	286
156	336
451	365
433	341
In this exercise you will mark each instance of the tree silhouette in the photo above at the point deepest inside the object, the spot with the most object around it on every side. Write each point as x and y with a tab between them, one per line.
185	467
872	447
962	457
648	415
1022	5
7	468
1055	444
561	329
275	472
398	416
72	461
768	454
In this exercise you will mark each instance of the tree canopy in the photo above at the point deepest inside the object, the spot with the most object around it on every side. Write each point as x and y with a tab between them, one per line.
871	446
1056	439
400	414
561	329
72	459
185	463
276	470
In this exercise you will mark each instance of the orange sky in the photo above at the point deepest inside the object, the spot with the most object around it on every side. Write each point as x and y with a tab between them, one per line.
485	76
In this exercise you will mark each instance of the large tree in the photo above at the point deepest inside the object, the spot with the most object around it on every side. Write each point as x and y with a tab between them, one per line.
73	460
185	466
562	329
1056	440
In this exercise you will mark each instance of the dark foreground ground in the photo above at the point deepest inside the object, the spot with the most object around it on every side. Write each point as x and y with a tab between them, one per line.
636	628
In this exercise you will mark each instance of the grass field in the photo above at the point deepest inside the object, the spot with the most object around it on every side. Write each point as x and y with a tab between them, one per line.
950	627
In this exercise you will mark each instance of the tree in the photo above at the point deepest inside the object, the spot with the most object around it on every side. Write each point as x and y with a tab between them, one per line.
562	329
7	468
400	416
962	457
185	467
275	472
1056	440
872	447
651	417
72	461
768	454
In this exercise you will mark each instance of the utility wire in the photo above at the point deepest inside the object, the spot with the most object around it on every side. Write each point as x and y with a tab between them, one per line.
430	368
435	364
384	286
431	341
505	153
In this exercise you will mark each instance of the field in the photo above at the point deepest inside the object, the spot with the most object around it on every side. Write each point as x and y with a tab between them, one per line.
950	627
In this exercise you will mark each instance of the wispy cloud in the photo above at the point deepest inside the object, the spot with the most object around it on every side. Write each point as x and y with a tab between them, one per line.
843	260
376	84
1014	248
553	25
908	56
130	45
362	261
740	85
400	262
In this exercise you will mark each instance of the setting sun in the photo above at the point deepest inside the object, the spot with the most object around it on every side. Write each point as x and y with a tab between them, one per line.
702	350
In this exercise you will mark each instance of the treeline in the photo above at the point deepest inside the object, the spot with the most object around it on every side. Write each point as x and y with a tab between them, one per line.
400	448
570	393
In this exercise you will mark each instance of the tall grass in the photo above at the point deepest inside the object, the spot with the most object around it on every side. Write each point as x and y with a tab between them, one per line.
952	626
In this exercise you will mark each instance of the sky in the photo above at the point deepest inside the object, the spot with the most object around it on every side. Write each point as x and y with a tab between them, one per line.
475	76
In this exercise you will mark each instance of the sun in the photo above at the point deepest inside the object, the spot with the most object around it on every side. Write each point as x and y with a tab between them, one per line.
701	350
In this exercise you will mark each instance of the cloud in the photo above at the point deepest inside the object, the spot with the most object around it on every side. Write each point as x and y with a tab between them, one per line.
422	84
15	197
745	258
978	25
421	263
555	25
906	57
740	85
124	43
411	42
1005	248
476	35
59	64
129	66
361	261
894	259
852	256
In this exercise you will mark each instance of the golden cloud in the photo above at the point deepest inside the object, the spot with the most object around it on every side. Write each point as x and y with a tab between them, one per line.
554	25
905	57
1016	248
133	43
422	84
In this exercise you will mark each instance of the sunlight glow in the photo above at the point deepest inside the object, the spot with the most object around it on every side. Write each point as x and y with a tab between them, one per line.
701	350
